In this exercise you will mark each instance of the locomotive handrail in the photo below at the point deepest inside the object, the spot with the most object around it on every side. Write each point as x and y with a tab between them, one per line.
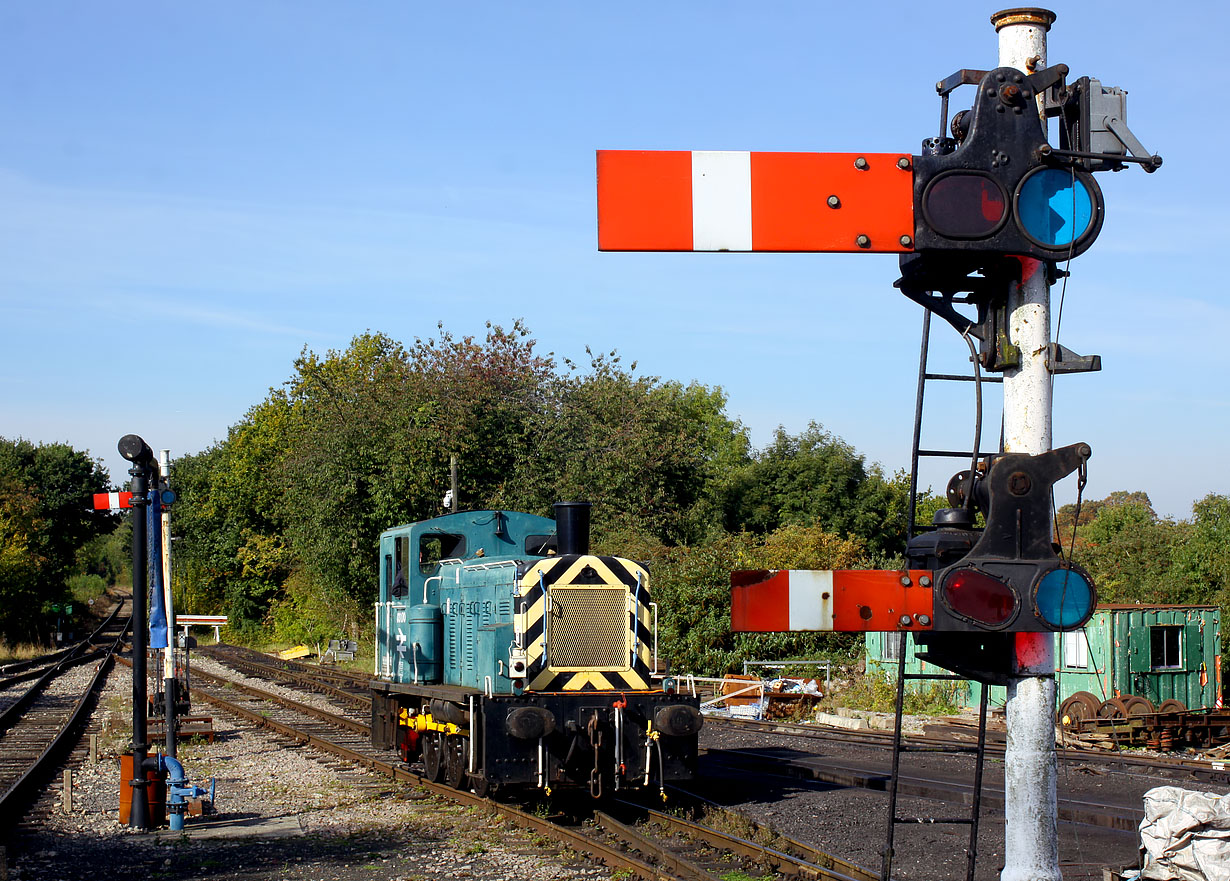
428	581
654	606
490	564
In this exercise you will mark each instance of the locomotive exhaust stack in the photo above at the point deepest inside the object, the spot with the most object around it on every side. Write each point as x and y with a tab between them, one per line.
572	526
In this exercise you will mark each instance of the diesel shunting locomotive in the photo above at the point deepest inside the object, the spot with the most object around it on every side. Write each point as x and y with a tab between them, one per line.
509	657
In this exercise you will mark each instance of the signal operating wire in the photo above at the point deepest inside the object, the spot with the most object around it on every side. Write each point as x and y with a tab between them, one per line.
973	465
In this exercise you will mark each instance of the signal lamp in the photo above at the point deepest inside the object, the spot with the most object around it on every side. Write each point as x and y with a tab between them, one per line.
979	597
1058	208
1064	598
965	205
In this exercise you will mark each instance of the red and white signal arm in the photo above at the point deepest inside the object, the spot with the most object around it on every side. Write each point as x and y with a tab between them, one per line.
846	600
701	200
112	501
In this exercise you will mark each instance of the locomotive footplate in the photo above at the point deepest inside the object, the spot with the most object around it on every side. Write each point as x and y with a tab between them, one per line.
599	741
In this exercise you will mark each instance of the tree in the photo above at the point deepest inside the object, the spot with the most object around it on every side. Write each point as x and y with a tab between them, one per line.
817	477
647	453
47	517
692	587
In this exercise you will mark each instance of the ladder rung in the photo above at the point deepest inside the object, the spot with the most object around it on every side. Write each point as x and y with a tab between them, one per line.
952	677
953	454
955	821
946	750
957	377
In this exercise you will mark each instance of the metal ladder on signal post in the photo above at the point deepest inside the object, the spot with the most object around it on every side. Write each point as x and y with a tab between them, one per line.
979	750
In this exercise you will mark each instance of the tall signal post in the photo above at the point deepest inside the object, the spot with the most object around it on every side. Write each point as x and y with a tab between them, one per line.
980	219
1031	834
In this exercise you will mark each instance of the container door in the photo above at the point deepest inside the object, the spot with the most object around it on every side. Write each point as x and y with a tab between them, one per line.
1138	650
1193	647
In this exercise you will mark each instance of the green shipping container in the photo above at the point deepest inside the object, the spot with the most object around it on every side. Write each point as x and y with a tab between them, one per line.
1156	652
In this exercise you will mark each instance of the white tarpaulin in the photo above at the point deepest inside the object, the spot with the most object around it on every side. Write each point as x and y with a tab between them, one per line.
1185	836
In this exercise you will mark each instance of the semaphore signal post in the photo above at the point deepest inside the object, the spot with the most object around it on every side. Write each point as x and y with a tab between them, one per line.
980	220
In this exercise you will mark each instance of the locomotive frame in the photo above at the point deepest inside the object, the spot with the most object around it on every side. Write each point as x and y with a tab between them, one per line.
510	658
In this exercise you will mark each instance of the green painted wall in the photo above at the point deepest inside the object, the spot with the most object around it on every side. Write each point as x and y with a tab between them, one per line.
1158	652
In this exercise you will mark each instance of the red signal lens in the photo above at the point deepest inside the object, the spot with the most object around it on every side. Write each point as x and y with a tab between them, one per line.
965	205
979	597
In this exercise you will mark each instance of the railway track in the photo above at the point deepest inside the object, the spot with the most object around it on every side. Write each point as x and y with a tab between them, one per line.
641	841
343	685
41	720
1114	759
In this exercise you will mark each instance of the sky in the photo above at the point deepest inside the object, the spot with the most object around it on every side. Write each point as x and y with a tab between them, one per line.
191	193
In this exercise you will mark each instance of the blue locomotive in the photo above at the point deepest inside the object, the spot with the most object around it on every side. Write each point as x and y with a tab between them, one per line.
508	657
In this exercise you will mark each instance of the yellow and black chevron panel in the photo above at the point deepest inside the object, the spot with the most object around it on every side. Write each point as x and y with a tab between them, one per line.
581	629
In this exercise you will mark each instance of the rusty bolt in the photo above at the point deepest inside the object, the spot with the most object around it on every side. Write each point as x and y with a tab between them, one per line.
904	163
825	595
1010	92
906	241
925	581
904	621
1019	483
924	620
860	163
864	612
833	202
863	241
905	581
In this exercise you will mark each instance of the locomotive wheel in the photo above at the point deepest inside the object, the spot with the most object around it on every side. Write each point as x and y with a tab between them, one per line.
1113	709
1171	705
1134	705
433	756
1077	708
483	787
455	761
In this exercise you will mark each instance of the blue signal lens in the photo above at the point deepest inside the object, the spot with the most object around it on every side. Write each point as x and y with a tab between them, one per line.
1055	207
1064	598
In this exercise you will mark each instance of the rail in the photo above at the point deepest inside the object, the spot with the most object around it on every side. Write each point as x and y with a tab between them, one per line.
14	799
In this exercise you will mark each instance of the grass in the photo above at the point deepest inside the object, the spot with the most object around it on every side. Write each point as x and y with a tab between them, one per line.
22	651
878	693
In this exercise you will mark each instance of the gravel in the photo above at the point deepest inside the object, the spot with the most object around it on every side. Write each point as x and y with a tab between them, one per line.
282	812
850	823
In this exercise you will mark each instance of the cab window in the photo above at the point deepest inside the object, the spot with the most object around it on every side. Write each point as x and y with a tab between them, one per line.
437	546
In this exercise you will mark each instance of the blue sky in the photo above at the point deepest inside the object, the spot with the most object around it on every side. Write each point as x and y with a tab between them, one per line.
194	192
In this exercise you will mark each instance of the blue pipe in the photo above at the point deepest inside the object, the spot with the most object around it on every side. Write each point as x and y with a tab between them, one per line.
175	793
179	791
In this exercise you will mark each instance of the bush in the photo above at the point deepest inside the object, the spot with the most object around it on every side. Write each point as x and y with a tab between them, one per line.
83	588
307	614
692	587
878	693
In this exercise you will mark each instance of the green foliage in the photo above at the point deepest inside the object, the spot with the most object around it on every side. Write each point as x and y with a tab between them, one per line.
878	693
108	556
86	587
692	588
815	477
303	614
648	453
45	520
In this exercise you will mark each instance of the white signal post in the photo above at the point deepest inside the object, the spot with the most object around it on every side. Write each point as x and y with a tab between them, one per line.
168	654
1031	838
168	658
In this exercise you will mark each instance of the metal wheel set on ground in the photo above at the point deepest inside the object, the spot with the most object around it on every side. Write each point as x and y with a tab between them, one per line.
1135	720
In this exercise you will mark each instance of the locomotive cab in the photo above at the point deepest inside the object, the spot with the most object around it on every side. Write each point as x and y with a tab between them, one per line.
508	655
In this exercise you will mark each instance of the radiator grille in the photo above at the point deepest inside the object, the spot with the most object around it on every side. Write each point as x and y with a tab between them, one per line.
588	627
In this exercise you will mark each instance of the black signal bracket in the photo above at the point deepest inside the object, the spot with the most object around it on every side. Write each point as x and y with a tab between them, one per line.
940	283
1015	497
